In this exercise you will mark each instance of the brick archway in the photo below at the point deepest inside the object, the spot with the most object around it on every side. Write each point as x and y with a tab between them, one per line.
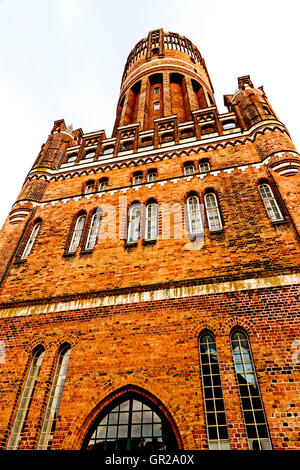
171	410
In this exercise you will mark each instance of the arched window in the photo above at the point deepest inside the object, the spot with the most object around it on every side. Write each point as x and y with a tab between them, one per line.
56	391
152	176
151	226
93	231
194	215
270	202
134	223
189	169
137	178
16	433
133	423
103	184
76	237
204	167
31	240
89	187
213	395
251	403
213	213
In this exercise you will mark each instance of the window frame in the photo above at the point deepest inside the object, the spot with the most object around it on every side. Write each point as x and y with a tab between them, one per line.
77	233
31	240
269	201
249	398
151	222
134	225
213	405
197	221
26	398
93	230
215	210
54	400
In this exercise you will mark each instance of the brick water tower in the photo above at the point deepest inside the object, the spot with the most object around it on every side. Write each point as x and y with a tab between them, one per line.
150	280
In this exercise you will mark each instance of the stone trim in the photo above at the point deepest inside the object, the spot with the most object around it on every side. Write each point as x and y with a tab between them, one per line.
154	295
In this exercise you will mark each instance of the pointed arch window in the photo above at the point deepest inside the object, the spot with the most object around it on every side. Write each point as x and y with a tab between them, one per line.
213	213
270	202
31	240
151	228
16	433
93	231
132	423
56	391
213	395
251	402
194	215
134	223
77	234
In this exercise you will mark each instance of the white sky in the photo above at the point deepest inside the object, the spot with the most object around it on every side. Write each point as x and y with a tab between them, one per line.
65	58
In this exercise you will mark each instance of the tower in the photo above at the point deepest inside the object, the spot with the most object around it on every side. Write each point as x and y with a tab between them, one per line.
149	280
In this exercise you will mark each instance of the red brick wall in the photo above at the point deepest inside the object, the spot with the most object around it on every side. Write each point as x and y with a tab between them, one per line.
154	345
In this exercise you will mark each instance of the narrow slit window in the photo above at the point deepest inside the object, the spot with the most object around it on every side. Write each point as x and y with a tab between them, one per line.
31	241
270	203
76	237
56	391
30	384
213	213
216	422
194	215
151	231
134	224
251	402
93	231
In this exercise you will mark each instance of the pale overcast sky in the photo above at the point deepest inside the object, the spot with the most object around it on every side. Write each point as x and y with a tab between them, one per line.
65	58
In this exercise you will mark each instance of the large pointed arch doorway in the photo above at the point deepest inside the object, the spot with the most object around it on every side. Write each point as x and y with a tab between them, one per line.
131	422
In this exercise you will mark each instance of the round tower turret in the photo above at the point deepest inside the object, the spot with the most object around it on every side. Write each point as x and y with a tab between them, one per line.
164	75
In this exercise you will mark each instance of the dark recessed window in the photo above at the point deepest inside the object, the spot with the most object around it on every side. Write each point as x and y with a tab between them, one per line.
157	90
108	150
71	158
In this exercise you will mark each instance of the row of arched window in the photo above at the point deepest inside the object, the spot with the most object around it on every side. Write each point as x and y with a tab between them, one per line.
146	225
214	406
189	168
52	409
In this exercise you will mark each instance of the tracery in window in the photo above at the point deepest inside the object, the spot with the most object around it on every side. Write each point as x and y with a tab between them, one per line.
251	402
